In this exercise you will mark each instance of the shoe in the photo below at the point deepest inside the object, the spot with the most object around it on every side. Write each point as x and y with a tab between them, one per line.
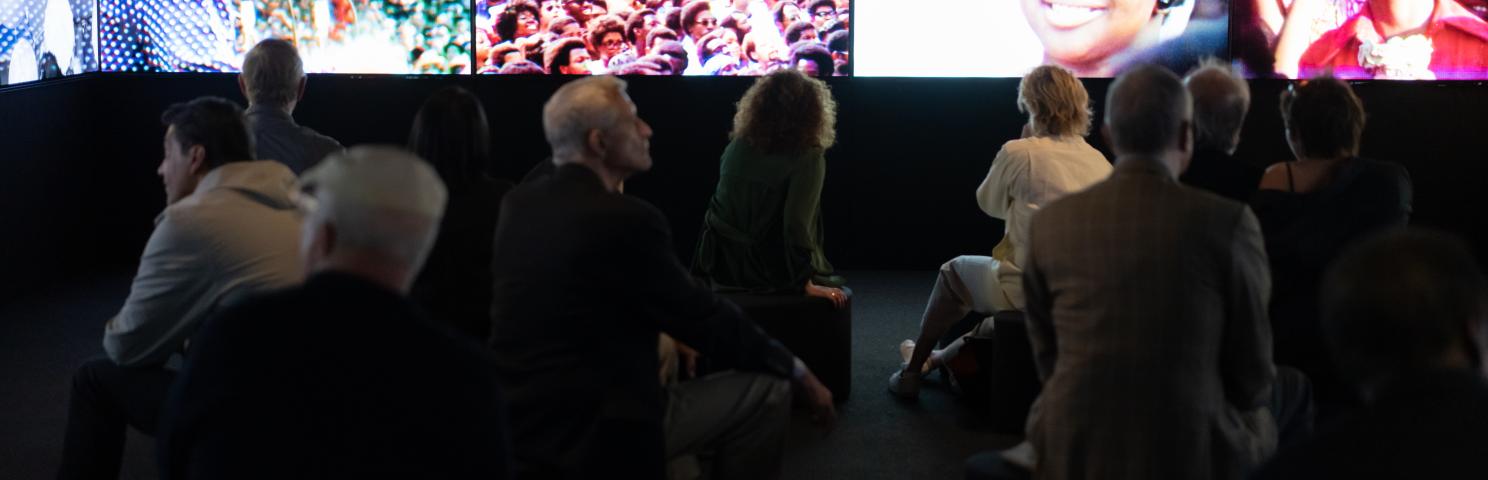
905	384
906	350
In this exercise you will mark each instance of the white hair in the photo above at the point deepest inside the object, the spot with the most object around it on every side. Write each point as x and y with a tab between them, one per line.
380	199
581	106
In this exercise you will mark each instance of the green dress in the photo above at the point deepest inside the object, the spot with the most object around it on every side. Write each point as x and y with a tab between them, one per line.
762	232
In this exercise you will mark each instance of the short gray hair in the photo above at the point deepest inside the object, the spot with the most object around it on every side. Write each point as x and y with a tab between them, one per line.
1145	110
272	72
1220	101
382	199
580	106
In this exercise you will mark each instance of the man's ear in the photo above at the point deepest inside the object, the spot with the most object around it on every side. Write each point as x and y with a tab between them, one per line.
198	162
595	142
300	92
243	86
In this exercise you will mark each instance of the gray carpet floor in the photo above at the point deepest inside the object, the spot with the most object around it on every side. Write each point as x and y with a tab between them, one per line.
44	337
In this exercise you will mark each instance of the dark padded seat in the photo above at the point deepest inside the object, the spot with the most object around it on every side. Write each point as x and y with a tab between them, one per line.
1006	358
817	332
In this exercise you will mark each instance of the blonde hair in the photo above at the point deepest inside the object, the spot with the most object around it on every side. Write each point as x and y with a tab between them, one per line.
1056	101
786	111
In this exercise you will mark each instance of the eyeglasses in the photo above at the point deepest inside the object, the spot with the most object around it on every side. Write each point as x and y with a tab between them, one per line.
613	43
824	13
707	22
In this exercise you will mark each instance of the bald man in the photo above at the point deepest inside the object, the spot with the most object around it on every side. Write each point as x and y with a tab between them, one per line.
344	376
1146	305
1221	98
585	279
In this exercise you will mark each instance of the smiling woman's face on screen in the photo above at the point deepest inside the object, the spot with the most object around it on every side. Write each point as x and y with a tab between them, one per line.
1083	34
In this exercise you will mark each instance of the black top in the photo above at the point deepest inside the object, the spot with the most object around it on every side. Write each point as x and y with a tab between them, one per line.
339	378
585	281
1428	425
455	284
1304	232
1222	174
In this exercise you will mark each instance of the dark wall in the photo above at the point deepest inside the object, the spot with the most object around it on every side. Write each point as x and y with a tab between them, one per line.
900	183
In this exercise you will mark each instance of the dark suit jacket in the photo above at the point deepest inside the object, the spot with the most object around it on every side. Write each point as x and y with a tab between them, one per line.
1147	315
1222	174
339	378
585	279
1425	425
455	284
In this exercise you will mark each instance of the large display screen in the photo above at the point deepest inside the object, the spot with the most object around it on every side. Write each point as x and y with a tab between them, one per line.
662	37
1007	38
333	36
45	39
1369	39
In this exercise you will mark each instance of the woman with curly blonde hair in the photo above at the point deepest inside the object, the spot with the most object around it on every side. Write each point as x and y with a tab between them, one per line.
1051	160
762	231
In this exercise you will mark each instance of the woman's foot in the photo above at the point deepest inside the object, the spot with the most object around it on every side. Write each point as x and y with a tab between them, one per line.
904	384
906	350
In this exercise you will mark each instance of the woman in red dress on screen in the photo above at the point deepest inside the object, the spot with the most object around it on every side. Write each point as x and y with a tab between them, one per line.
1403	40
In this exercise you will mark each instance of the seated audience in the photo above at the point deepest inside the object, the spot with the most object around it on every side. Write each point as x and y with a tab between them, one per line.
1221	98
1309	209
229	229
450	132
1146	310
1027	174
585	279
344	376
1416	348
763	231
273	81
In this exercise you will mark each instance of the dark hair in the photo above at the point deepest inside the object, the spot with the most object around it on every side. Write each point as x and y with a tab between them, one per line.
506	24
663	63
674	50
498	53
558	54
1397	300
661	32
522	67
735	26
815	52
795	30
450	132
778	12
690	13
673	20
216	124
1145	110
636	20
703	52
833	26
837	42
820	3
786	112
605	24
1325	117
555	26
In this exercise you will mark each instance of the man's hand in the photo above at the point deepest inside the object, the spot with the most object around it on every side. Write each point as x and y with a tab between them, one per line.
815	395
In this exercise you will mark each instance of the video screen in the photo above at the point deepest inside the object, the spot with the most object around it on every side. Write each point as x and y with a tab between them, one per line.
42	39
1360	39
1008	38
333	36
663	37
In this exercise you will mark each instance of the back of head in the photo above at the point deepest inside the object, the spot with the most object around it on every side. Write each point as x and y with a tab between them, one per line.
1323	117
1146	111
794	32
1403	300
272	72
558	54
1056	101
450	131
1221	98
214	123
578	107
839	41
382	202
787	112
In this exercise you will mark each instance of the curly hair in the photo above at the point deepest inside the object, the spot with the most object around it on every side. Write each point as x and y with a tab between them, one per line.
1056	101
1324	116
506	23
786	112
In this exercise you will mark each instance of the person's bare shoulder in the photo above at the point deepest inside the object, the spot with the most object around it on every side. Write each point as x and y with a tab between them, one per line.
1275	177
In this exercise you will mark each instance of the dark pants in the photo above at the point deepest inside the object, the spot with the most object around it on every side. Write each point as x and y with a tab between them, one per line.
107	398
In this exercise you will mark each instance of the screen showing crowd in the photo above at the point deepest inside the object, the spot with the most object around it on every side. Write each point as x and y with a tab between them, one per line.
45	39
662	37
1008	38
1368	39
333	36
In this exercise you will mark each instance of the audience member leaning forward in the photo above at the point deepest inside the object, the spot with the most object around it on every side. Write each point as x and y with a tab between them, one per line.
229	229
344	376
1146	304
585	279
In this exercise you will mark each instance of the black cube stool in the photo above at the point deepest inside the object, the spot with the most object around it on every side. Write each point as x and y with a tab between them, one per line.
1006	359
812	328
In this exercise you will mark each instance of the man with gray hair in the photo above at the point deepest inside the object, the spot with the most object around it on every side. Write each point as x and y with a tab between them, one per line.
1146	305
344	376
1221	98
585	280
273	80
